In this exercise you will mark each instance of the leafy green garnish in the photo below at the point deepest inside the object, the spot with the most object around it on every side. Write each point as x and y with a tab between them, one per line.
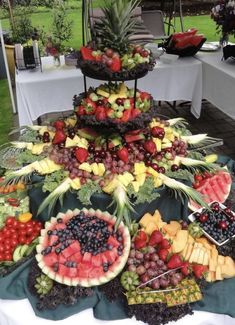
26	157
86	192
146	193
181	174
53	180
29	135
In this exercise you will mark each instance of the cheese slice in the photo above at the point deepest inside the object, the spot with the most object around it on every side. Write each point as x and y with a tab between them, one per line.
221	260
185	251
206	258
194	254
201	256
218	275
189	251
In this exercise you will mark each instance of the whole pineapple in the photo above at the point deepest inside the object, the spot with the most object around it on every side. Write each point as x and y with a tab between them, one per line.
117	25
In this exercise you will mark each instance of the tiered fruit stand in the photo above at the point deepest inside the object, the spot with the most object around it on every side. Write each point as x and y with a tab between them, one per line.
141	258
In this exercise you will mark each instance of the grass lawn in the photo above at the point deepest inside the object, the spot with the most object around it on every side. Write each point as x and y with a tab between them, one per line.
6	115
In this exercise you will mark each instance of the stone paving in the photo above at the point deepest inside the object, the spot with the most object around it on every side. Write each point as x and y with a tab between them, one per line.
212	121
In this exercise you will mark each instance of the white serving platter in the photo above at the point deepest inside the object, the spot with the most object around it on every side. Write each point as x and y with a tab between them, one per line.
192	218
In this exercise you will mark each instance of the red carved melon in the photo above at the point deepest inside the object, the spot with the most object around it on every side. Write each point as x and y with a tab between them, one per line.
214	188
80	247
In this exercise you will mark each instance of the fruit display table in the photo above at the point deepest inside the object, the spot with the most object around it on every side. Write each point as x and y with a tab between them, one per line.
53	89
218	81
22	307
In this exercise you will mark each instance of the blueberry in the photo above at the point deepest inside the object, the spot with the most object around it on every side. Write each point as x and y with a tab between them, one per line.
49	232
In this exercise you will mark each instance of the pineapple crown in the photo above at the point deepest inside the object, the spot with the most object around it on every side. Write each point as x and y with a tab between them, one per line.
117	25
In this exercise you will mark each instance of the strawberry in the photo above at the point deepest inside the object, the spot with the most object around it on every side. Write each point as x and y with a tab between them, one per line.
100	113
98	58
139	243
126	115
123	154
59	137
140	240
90	106
110	112
144	95
199	270
87	53
155	238
185	268
81	110
59	125
174	261
135	112
81	154
150	146
163	254
116	65
165	244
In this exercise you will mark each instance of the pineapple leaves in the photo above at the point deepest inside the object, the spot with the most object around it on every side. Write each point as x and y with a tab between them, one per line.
117	24
54	196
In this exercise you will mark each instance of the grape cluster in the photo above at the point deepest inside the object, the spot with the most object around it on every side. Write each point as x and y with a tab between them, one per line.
148	265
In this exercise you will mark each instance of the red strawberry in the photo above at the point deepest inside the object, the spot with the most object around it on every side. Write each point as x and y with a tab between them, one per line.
142	235
144	95
90	106
126	115
174	261
81	110
87	53
110	112
116	65
59	125
98	58
59	137
199	270
165	244
163	253
140	240
150	146
81	154
123	154
155	238
135	112
139	243
100	113
185	268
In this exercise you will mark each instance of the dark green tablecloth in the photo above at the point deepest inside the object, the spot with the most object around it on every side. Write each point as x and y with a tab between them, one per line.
218	297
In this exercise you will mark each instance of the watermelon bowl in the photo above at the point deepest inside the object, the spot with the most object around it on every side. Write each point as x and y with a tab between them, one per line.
81	247
217	222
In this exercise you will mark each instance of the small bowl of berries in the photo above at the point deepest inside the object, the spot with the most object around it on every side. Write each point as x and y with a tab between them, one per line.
217	223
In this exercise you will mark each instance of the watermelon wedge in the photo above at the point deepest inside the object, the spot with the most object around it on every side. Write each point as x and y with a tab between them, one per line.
214	188
89	252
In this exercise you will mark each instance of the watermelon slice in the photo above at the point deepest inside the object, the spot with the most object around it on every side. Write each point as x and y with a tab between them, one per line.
214	188
83	262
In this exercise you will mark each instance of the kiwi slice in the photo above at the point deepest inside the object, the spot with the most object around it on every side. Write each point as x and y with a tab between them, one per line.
43	285
129	280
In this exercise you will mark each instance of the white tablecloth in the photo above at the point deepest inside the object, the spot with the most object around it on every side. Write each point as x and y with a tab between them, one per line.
53	89
218	81
20	313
